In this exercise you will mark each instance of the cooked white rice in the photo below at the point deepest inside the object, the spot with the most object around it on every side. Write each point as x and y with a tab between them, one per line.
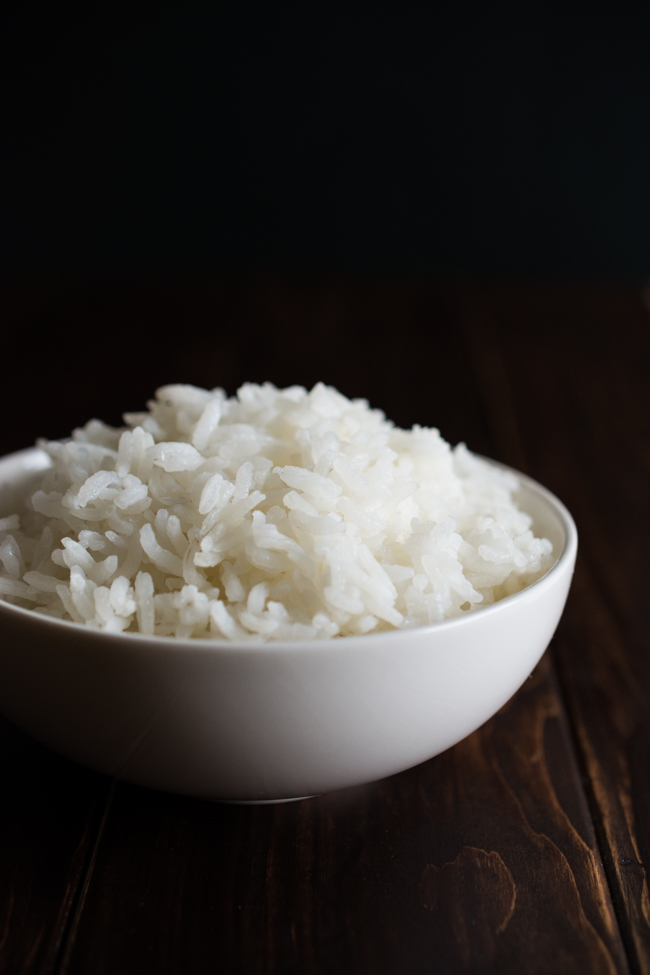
278	514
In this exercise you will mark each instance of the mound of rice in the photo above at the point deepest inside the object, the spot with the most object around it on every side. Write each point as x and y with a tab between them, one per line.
278	514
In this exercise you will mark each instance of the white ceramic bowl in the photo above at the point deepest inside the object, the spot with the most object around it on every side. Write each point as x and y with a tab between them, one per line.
275	721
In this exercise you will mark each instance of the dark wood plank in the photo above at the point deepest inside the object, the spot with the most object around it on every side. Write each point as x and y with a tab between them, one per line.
49	818
575	366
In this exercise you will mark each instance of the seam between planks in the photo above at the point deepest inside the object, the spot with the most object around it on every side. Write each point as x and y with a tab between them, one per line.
600	836
68	939
608	859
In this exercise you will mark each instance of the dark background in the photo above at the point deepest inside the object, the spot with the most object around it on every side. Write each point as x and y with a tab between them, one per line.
382	138
225	193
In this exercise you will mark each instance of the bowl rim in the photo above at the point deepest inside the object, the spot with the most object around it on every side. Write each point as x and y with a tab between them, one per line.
211	645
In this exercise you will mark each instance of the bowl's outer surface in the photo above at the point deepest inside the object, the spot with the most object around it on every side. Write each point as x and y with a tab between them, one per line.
263	722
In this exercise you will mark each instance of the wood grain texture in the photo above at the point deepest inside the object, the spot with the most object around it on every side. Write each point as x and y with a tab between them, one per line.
485	859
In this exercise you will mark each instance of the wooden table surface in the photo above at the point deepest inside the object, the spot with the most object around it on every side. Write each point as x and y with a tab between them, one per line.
522	849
